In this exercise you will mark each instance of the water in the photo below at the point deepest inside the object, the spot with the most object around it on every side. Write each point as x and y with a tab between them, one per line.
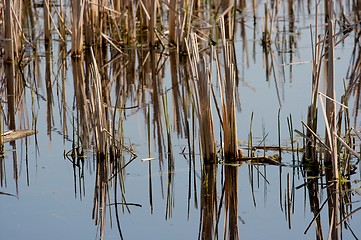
55	198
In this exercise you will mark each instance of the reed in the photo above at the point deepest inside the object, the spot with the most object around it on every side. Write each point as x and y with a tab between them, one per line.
97	109
228	95
9	61
1	134
290	131
116	48
47	24
78	8
317	53
173	24
49	91
331	158
201	91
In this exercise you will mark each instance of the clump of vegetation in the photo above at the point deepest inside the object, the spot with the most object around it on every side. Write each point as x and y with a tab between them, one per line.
119	51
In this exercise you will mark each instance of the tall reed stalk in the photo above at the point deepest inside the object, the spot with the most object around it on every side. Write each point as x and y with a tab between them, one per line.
228	95
331	158
9	62
172	19
78	8
47	25
317	52
202	98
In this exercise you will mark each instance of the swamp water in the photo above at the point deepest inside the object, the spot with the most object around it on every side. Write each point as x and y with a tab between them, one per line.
117	153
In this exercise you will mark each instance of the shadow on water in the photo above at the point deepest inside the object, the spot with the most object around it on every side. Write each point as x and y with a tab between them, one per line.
185	85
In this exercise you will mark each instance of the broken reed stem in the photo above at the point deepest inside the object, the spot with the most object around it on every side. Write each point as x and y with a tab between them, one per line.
290	130
279	132
250	138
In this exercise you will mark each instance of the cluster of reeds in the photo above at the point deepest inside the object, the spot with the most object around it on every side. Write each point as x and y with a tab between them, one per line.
205	63
202	86
335	151
109	83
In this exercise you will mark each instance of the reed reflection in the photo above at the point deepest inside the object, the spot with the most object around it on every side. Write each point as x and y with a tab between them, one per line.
208	205
214	209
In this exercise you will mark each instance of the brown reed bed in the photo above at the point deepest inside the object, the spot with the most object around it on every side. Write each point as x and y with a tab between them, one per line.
333	148
132	41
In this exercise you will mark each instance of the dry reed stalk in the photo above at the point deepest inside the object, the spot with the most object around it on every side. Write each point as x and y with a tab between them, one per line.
78	8
89	28
97	108
144	18
61	22
331	159
47	25
185	30
254	10
9	63
202	98
172	20
228	18
228	96
317	53
153	16
28	11
1	139
49	91
130	22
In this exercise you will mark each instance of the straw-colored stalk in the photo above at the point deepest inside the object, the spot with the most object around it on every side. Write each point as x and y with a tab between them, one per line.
185	30
47	25
78	8
331	140
228	16
153	16
202	98
228	96
317	52
97	108
172	22
8	24
49	92
1	134
89	28
9	62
